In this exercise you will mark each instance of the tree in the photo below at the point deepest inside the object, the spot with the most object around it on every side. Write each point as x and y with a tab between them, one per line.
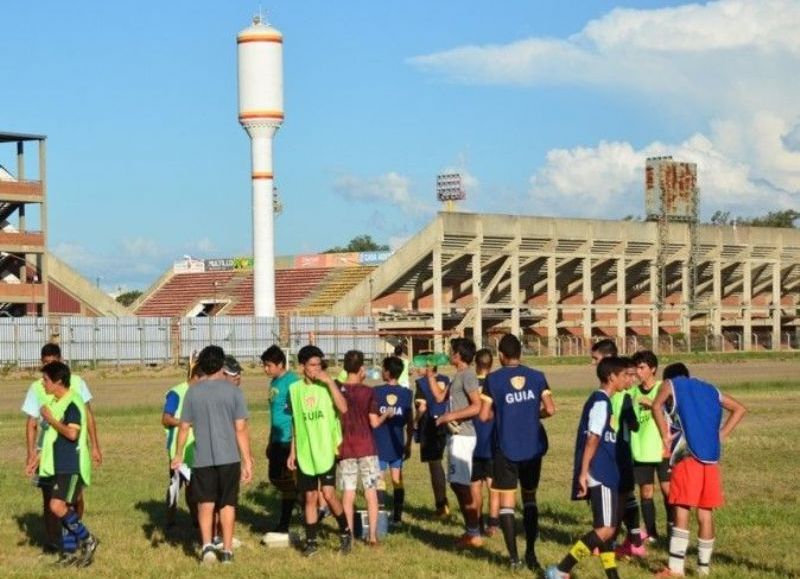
785	218
127	298
358	244
721	218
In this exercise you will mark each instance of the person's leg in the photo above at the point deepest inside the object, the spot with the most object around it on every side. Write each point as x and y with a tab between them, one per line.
329	492
371	496
679	540
459	462
348	504
227	522
399	494
663	481
493	522
705	540
311	517
191	503
646	492
205	517
52	526
439	486
468	510
476	498
529	475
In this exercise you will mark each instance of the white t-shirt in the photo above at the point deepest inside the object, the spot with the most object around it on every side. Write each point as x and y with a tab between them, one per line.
31	404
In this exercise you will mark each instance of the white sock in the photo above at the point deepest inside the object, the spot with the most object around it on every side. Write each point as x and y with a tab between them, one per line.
678	543
704	550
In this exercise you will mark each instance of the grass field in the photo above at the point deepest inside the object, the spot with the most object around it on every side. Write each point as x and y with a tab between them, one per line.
124	505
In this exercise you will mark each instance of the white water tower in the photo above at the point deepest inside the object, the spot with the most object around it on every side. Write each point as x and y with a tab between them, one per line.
260	56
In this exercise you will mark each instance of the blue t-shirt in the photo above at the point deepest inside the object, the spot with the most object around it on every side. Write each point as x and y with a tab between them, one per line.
435	409
596	419
390	436
65	451
280	415
171	404
516	392
484	431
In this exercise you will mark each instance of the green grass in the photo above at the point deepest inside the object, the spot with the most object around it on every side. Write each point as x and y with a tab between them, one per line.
124	505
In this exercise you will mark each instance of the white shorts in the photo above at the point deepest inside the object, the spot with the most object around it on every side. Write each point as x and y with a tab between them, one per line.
350	470
459	458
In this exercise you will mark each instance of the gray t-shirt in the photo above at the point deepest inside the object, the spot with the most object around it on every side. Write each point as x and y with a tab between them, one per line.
212	407
464	383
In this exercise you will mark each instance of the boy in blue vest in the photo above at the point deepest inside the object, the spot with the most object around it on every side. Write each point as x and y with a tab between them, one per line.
695	450
596	474
517	397
65	461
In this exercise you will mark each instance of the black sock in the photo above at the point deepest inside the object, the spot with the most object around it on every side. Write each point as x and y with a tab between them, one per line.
398	503
441	504
649	516
287	506
342	521
631	518
381	499
668	510
509	533
581	549
530	522
493	522
311	532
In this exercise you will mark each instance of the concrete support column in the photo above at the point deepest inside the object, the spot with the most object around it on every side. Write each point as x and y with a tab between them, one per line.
477	299
716	316
437	296
552	304
685	320
515	301
747	299
588	300
44	274
654	298
622	313
776	305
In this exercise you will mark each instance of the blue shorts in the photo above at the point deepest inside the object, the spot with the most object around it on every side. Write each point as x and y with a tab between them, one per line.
393	464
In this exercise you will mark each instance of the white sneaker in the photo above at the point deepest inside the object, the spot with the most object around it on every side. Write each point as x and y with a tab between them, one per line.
273	539
209	556
217	542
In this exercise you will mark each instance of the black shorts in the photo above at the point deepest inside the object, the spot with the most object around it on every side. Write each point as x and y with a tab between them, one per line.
277	471
644	472
312	482
509	473
604	506
482	469
217	484
432	439
626	481
64	487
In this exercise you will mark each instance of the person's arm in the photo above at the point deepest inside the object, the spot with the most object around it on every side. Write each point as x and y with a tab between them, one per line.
376	418
169	421
243	442
97	453
183	435
70	431
467	412
589	450
736	412
439	394
338	398
31	427
547	408
171	403
291	461
660	418
409	434
486	412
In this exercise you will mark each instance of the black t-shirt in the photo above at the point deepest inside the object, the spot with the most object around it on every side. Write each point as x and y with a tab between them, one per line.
65	451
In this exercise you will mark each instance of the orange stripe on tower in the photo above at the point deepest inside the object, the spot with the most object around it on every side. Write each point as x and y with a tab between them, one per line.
262	175
260	115
259	38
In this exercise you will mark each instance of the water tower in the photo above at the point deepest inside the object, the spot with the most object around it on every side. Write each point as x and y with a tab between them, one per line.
260	57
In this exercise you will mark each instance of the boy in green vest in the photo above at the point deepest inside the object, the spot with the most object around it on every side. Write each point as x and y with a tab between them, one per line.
171	420
66	463
315	403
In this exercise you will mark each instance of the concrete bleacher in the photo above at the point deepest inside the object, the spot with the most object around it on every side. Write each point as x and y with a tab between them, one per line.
339	283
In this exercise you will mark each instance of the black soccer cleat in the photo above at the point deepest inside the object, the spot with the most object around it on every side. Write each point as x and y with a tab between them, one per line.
345	543
88	547
310	549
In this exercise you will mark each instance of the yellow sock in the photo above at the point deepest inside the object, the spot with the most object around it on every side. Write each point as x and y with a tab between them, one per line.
580	551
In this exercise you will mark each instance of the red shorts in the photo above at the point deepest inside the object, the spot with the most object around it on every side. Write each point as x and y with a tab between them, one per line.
695	484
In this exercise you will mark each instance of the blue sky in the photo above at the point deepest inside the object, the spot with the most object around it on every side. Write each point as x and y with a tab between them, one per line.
547	107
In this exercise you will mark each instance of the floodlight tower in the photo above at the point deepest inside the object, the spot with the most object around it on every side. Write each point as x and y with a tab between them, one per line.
260	52
449	189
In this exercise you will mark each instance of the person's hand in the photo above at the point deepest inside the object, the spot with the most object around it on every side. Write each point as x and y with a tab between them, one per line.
46	414
247	471
407	452
97	455
291	464
176	462
583	485
645	403
443	419
32	465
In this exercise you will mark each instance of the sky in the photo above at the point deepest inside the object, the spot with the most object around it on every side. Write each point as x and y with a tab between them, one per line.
545	107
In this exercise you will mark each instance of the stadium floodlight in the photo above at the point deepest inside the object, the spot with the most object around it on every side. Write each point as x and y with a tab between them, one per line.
449	188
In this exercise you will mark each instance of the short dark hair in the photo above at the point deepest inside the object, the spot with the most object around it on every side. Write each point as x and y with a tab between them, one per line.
605	347
51	350
510	347
57	372
400	349
353	361
275	355
483	359
308	352
676	370
465	348
393	366
211	359
611	365
231	366
629	363
646	357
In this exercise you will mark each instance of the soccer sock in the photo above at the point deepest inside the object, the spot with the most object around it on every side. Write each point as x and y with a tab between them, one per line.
287	506
582	548
530	522
609	560
678	542
69	543
632	521
704	549
509	533
649	516
493	522
341	519
668	510
398	503
72	523
311	532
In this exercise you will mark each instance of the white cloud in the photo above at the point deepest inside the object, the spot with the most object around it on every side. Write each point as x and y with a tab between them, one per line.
390	188
733	61
142	247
